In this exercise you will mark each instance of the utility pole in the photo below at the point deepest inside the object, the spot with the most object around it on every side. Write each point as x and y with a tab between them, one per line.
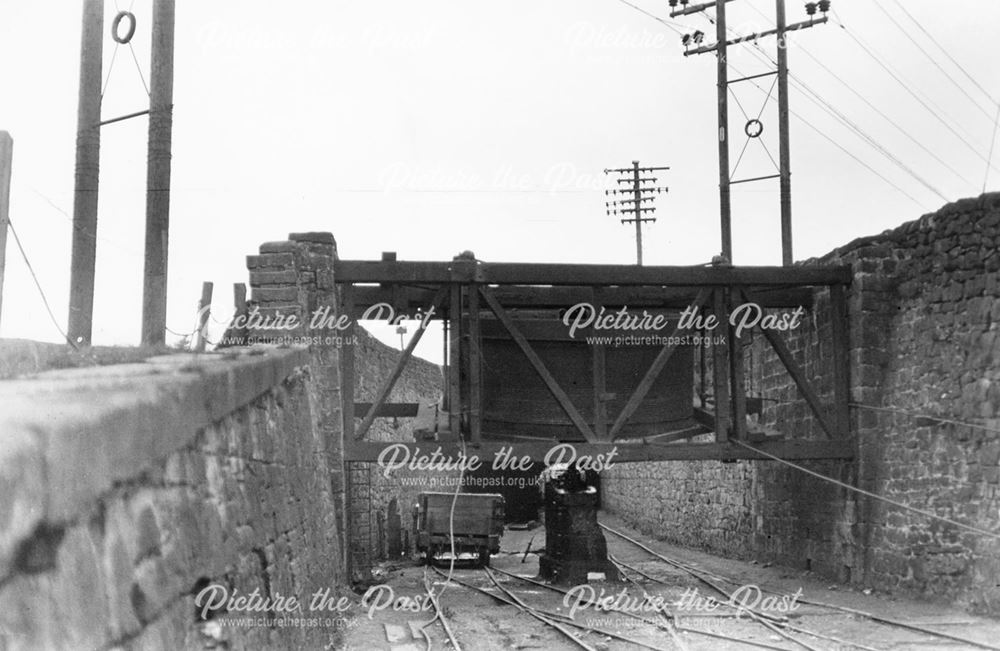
161	106
639	193
753	128
88	161
6	160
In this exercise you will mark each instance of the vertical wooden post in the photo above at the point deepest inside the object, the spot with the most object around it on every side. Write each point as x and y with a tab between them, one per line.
723	98
455	361
83	257
841	361
239	298
720	362
347	362
600	363
6	162
784	147
204	311
161	105
737	379
475	368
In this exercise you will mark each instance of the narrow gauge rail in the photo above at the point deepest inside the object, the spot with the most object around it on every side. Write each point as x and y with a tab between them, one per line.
706	576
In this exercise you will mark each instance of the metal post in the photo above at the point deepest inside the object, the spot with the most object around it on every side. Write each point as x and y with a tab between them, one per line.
784	151
637	193
723	74
154	294
6	160
88	162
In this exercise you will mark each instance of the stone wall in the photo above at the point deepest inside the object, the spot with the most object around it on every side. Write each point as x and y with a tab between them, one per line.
125	490
295	277
924	311
393	496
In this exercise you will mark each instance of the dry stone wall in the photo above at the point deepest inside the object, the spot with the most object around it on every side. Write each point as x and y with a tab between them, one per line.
925	357
126	490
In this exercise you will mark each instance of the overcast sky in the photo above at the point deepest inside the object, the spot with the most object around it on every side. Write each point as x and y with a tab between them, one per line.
434	127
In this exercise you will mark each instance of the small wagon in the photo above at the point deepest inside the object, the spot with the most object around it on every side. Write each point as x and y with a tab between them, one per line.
478	525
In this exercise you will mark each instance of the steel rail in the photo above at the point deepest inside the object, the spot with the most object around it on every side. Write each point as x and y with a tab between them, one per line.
845	609
440	613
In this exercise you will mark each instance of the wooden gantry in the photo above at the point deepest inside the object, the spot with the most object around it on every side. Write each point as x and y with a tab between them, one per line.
462	292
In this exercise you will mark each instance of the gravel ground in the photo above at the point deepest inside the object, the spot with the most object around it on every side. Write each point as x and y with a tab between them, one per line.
481	622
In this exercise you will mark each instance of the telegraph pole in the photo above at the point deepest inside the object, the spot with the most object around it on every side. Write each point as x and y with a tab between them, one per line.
784	148
161	106
88	162
753	127
6	161
640	193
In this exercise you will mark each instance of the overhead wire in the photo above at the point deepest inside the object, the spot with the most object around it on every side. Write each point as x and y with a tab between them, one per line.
872	106
934	110
871	141
946	53
906	33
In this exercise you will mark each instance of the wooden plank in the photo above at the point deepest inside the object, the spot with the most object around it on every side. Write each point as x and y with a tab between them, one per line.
720	362
363	271
390	382
455	360
538	364
204	311
347	365
542	297
239	298
737	379
651	374
841	361
475	370
599	363
623	453
388	410
6	160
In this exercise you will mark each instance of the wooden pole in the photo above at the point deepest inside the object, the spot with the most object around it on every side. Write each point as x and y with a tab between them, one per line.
204	311
723	83
637	193
161	101
88	162
784	147
6	156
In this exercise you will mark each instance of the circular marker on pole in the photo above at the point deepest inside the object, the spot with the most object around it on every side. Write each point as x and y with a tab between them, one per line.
118	21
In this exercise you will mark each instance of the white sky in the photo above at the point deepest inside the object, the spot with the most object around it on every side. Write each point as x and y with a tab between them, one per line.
434	127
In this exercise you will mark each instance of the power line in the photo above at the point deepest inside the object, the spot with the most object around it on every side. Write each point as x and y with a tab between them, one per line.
824	104
868	102
935	111
932	59
654	17
38	285
829	108
946	53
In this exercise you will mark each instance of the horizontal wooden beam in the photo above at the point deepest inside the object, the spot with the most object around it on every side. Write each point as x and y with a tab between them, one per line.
624	452
408	299
363	271
387	410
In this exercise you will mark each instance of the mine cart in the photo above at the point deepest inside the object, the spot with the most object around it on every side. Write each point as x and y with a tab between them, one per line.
477	524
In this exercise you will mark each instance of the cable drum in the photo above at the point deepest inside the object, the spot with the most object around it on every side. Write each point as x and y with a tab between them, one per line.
123	15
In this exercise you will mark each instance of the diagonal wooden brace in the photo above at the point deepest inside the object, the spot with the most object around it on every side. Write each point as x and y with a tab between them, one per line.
654	371
538	364
390	382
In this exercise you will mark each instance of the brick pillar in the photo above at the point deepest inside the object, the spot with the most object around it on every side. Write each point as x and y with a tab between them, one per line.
295	277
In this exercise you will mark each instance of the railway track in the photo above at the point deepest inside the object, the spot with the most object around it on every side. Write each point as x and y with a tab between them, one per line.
666	628
714	580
